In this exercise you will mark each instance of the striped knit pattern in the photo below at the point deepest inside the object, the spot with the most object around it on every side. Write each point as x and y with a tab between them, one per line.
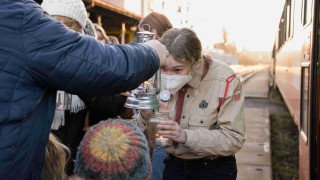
113	149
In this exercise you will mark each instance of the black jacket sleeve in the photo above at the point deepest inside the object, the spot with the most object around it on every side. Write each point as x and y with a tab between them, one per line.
102	107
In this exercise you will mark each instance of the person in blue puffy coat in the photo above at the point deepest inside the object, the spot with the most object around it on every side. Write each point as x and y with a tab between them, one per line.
38	56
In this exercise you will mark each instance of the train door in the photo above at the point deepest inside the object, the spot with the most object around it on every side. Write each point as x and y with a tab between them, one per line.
306	90
315	95
310	92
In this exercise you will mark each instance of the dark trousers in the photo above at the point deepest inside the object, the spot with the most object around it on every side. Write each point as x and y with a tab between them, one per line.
222	168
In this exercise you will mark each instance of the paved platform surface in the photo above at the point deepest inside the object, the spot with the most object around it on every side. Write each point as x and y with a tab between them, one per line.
257	86
254	159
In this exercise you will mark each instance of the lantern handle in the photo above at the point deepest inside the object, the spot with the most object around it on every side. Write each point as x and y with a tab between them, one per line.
147	25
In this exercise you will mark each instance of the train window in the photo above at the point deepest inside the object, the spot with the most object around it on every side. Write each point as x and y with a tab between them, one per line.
282	31
306	12
286	23
304	102
285	26
290	15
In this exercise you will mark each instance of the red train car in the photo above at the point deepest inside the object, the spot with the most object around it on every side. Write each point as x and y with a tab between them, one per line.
297	75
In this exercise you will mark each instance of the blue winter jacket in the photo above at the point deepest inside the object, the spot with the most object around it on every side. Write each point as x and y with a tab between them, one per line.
38	55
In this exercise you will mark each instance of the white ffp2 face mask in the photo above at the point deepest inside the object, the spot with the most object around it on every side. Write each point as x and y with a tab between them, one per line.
174	83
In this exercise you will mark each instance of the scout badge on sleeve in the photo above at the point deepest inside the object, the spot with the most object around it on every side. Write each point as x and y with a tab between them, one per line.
237	97
237	91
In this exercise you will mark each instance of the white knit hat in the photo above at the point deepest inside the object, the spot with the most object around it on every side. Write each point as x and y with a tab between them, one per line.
73	9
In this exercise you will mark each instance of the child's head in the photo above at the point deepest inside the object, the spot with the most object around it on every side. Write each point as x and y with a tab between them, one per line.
183	45
101	34
113	149
72	13
157	22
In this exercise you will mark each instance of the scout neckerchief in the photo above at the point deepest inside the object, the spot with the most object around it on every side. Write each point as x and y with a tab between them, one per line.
182	91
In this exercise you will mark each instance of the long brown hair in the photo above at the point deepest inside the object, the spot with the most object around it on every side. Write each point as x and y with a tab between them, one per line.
56	158
183	45
156	21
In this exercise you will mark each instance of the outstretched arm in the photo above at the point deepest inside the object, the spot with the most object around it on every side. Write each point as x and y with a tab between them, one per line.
63	59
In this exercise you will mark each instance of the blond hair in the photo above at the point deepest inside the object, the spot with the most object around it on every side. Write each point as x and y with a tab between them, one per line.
102	31
56	157
183	45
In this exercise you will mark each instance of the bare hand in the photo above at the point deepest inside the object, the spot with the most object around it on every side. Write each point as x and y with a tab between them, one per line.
172	130
146	114
126	94
160	49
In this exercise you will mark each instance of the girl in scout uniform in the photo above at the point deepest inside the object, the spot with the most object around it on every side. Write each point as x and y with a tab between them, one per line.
205	103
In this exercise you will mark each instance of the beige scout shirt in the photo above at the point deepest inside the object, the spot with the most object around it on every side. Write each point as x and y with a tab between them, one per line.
209	132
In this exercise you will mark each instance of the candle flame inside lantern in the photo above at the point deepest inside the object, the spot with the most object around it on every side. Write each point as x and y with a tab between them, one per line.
146	83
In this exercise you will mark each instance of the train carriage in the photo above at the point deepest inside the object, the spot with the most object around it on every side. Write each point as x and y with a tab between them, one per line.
296	56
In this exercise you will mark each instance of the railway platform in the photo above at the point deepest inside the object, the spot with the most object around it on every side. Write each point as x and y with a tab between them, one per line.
254	159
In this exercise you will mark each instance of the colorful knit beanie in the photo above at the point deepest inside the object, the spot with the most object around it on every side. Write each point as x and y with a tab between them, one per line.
114	149
73	9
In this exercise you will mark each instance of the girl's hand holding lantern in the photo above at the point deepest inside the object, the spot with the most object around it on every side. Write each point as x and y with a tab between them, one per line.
172	130
146	114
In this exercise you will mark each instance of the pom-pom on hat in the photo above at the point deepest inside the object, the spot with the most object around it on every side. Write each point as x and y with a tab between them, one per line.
113	149
73	9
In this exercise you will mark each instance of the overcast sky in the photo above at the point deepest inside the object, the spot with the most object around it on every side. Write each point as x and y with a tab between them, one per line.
251	24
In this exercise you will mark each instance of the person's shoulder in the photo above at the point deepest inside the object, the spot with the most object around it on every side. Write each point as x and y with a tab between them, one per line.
221	70
34	17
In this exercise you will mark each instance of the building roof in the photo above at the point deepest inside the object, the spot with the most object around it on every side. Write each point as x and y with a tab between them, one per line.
113	8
